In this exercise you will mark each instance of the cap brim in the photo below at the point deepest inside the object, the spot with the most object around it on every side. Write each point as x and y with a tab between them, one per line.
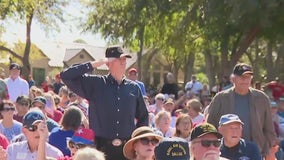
125	55
217	134
233	121
248	72
128	149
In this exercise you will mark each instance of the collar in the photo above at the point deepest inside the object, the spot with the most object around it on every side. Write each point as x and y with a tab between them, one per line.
113	81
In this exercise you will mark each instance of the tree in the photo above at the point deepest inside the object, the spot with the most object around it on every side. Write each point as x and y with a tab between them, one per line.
46	13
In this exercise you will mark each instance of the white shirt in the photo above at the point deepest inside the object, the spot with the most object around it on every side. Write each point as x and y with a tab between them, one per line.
21	151
17	87
195	87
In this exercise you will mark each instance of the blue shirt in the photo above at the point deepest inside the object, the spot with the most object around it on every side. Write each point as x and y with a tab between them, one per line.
58	138
245	150
115	110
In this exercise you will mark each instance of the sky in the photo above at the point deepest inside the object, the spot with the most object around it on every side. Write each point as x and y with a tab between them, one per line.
68	31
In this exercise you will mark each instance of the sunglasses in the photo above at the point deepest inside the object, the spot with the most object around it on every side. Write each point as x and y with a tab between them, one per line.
32	128
146	141
207	143
9	109
76	145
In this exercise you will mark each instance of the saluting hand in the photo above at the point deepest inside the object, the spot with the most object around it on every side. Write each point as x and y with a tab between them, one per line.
100	62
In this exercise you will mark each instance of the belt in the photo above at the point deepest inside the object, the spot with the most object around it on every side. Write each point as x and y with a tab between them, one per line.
114	142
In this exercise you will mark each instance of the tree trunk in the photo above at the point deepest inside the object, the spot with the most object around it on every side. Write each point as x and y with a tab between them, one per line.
269	62
210	69
188	69
139	53
26	62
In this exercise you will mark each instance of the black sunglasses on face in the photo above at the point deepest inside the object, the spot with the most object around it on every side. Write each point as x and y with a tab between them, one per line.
32	128
76	145
146	141
207	143
9	109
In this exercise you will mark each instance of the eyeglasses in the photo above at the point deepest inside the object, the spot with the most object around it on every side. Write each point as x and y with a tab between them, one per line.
32	128
146	141
9	109
207	143
24	104
76	145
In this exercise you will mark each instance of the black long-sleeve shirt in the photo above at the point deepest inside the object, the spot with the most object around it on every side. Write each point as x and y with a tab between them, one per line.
113	107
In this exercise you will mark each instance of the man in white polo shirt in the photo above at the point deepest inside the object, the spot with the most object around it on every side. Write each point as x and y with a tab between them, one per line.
15	84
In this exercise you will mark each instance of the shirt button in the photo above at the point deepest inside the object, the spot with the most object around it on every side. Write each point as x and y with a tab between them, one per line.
118	110
118	98
117	122
117	134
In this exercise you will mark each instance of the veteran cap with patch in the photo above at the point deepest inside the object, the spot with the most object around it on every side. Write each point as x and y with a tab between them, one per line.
172	149
203	129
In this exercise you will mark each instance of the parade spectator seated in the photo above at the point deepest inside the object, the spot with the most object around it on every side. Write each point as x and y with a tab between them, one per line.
183	127
172	149
89	153
23	104
205	143
194	108
40	102
169	106
8	126
233	146
163	123
70	122
82	138
142	144
158	105
33	126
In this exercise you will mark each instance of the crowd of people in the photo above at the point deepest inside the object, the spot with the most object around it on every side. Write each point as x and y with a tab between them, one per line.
82	115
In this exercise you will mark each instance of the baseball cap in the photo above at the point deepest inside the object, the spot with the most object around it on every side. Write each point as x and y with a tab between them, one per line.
116	52
14	66
31	117
174	148
169	101
40	99
229	118
241	69
203	129
83	136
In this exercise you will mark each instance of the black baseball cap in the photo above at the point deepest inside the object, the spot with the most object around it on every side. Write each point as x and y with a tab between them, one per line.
14	66
116	52
203	129
241	69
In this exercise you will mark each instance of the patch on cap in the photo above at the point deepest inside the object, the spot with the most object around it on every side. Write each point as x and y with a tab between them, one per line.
241	69
203	129
172	149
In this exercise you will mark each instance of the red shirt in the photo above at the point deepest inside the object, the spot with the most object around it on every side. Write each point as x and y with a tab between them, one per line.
277	89
3	141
